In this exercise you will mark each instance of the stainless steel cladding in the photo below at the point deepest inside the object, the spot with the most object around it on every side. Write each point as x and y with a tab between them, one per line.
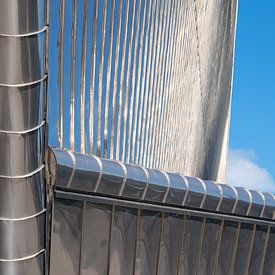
144	82
22	180
116	218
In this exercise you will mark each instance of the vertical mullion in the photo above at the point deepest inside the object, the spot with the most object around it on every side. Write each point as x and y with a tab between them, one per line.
100	78
217	253
250	250
84	205
108	84
136	240
181	243
200	246
135	92
92	83
121	84
140	83
110	240
147	83
166	58
114	105
231	269
156	86
83	78
72	95
60	70
127	91
264	253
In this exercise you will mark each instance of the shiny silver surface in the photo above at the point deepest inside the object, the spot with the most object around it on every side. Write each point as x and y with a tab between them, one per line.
21	16
109	234
126	226
23	85
22	68
117	89
34	265
83	173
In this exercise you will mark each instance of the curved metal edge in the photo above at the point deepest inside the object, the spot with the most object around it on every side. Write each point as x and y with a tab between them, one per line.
26	175
25	84
23	132
24	258
24	218
168	186
234	197
124	178
44	29
205	192
187	188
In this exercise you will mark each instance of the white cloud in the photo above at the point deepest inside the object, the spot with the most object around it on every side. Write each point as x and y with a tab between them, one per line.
242	170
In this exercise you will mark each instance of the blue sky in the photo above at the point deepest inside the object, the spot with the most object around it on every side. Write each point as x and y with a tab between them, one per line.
252	133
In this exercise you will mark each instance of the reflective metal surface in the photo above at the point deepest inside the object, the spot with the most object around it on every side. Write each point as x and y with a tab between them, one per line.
122	228
90	174
21	16
116	87
22	137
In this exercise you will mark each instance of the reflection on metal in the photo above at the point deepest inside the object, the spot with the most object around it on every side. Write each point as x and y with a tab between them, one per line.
147	86
147	81
153	222
22	89
90	174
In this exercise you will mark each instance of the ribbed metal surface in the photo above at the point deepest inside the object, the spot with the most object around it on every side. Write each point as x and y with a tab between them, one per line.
144	82
22	89
115	218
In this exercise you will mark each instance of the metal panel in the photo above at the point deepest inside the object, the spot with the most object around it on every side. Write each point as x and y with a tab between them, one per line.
82	173
29	107
22	237
22	153
22	197
243	253
191	245
35	265
269	263
123	241
171	243
117	66
15	16
258	254
66	237
20	68
95	239
229	241
148	242
22	139
210	246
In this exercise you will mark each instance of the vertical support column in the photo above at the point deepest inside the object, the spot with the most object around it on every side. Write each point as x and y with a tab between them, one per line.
22	180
